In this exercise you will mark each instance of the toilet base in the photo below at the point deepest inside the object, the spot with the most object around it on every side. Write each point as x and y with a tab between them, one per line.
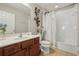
45	50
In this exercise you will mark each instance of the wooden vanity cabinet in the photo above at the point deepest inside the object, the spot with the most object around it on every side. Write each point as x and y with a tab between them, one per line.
27	43
29	47
20	53
32	51
23	52
36	40
37	45
1	52
8	50
27	52
35	49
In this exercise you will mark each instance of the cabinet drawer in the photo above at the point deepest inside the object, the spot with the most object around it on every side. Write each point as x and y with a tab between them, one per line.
27	43
36	40
1	52
20	53
8	50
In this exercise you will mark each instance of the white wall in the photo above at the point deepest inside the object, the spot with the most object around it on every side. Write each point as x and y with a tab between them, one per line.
77	11
21	19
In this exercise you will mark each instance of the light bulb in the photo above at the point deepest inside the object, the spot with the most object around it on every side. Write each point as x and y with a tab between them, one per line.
56	6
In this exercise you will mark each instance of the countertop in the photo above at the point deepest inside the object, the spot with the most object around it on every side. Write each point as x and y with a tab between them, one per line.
11	40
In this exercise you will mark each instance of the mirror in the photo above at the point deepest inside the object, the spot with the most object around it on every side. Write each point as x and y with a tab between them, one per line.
14	18
7	22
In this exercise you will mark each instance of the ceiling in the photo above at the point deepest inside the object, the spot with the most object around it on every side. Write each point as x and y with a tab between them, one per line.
19	7
45	6
51	6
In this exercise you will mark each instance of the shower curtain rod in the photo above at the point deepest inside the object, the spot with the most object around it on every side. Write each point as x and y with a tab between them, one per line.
60	8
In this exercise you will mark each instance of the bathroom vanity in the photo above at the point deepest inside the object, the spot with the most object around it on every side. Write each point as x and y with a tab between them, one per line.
20	47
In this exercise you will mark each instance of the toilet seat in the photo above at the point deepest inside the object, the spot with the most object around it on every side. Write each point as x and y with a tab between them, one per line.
45	43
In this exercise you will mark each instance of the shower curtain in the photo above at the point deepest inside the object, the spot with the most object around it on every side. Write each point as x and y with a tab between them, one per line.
49	27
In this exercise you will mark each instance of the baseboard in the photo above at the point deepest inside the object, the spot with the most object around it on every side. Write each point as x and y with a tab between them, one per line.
69	48
53	47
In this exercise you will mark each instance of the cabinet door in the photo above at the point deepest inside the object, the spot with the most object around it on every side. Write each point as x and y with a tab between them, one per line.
8	50
37	49
34	50
1	53
27	43
20	53
27	52
36	40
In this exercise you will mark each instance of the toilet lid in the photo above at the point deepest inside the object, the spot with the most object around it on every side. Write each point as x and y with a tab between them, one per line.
43	45
45	42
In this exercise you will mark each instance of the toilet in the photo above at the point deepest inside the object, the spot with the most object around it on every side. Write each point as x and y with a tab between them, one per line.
45	46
